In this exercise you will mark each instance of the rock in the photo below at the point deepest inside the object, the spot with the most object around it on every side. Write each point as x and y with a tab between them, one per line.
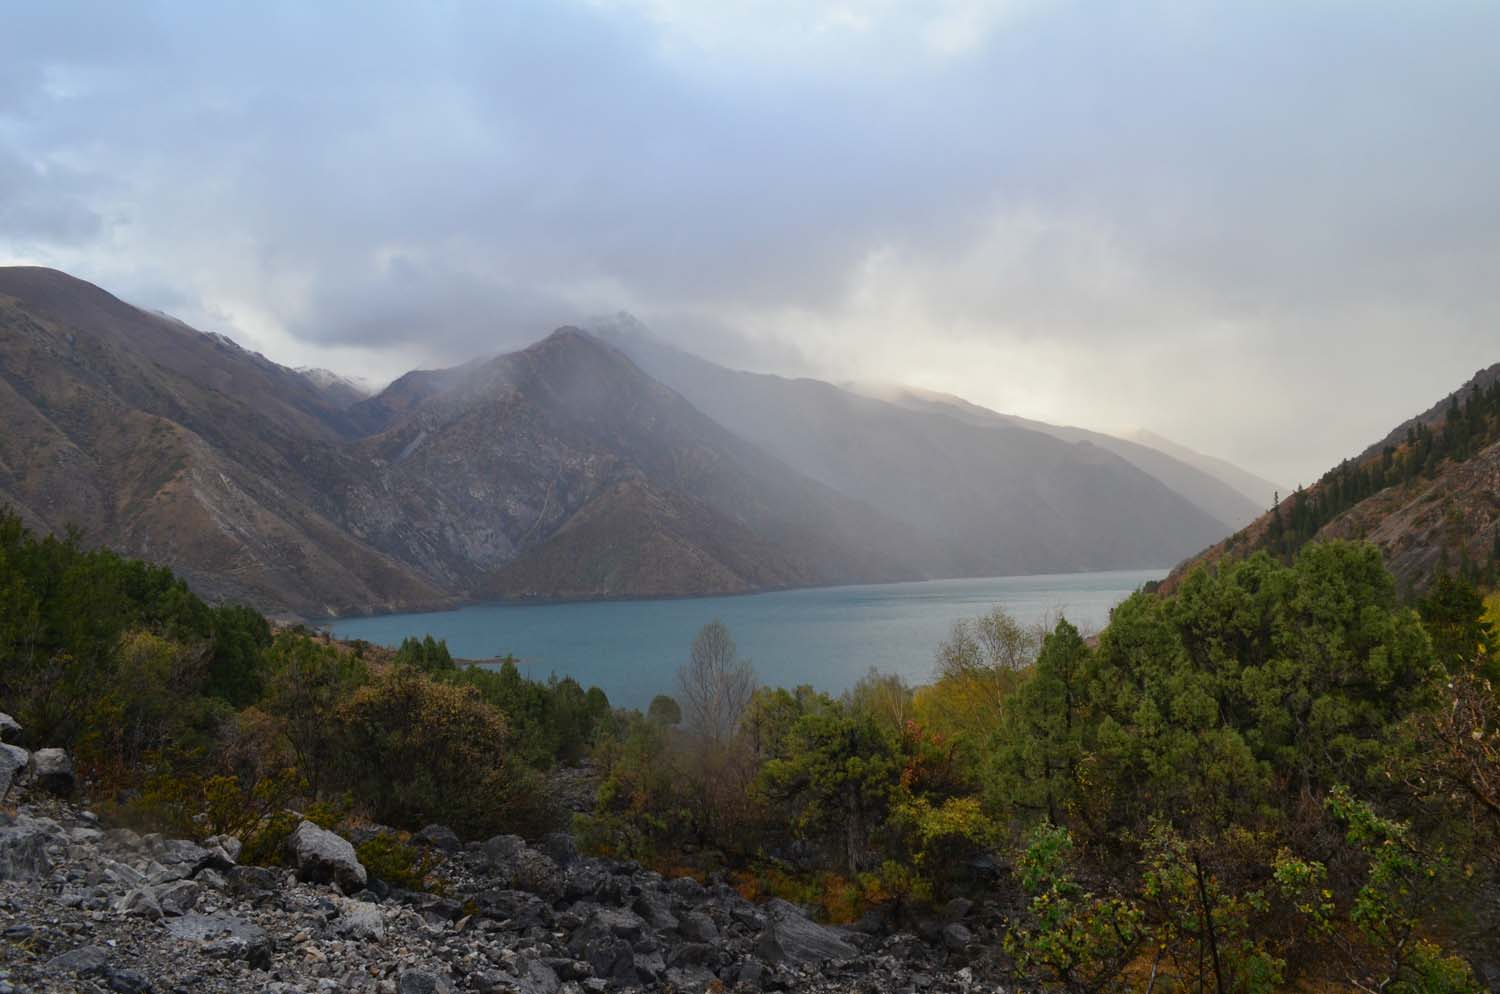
322	857
421	982
140	903
360	920
10	729
23	852
657	911
958	909
695	926
957	936
179	898
501	851
52	771
790	937
13	763
127	982
230	846
225	937
85	961
561	848
439	837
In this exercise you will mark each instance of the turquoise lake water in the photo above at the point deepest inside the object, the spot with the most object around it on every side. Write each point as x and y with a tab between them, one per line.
828	637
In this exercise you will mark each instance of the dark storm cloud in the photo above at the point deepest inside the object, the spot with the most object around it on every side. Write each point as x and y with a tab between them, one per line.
1204	218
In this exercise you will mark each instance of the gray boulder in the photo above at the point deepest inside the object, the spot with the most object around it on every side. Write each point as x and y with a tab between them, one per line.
359	920
139	903
439	837
85	961
321	856
23	851
226	844
9	728
52	771
791	937
13	763
421	982
177	899
225	937
698	927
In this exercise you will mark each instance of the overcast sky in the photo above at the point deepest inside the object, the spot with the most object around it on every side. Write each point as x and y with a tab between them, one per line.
1269	231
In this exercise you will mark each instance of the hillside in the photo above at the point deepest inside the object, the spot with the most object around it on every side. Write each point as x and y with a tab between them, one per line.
987	497
163	442
257	482
1428	495
1204	486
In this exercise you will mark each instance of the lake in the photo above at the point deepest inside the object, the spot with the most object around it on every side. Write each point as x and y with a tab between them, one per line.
828	637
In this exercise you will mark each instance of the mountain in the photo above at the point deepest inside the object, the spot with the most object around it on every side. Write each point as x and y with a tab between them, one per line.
558	471
1208	490
1428	494
1262	493
182	447
563	471
984	496
341	391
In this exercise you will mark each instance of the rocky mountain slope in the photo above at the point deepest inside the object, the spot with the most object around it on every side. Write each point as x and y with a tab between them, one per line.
1428	494
559	471
88	907
986	495
563	470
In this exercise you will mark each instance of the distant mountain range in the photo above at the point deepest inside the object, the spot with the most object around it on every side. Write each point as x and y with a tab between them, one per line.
1428	494
583	466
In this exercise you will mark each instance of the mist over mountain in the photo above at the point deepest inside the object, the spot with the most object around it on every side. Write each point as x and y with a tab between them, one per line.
563	470
987	494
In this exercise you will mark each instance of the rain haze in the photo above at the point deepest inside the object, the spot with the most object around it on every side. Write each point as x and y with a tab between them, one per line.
1240	226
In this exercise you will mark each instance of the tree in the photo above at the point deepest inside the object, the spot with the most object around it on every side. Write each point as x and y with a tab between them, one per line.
665	711
715	685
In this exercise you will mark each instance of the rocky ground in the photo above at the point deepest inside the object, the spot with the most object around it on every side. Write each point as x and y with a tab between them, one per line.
87	908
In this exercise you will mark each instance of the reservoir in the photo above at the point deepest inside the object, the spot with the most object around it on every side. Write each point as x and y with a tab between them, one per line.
827	637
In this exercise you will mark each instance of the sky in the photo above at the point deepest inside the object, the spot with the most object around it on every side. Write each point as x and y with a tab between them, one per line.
1269	231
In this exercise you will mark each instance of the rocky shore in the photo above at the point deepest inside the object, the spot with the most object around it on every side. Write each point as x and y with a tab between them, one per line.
86	907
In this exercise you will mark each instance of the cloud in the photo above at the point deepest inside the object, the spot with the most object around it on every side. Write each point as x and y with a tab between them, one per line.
1270	232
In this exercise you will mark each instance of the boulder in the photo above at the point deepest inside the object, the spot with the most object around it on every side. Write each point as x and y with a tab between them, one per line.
225	937
791	937
421	982
226	844
321	856
177	899
956	936
85	961
139	903
439	837
695	926
13	763
127	982
561	848
360	920
23	851
52	771
10	729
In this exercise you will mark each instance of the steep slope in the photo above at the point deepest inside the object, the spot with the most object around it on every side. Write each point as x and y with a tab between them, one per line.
1257	489
1207	490
985	497
559	471
563	470
178	446
1428	495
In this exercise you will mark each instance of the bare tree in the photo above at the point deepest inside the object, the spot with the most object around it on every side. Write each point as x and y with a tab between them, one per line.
715	684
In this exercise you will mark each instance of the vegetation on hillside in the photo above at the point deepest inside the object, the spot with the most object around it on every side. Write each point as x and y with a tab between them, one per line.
174	708
1280	777
1469	425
